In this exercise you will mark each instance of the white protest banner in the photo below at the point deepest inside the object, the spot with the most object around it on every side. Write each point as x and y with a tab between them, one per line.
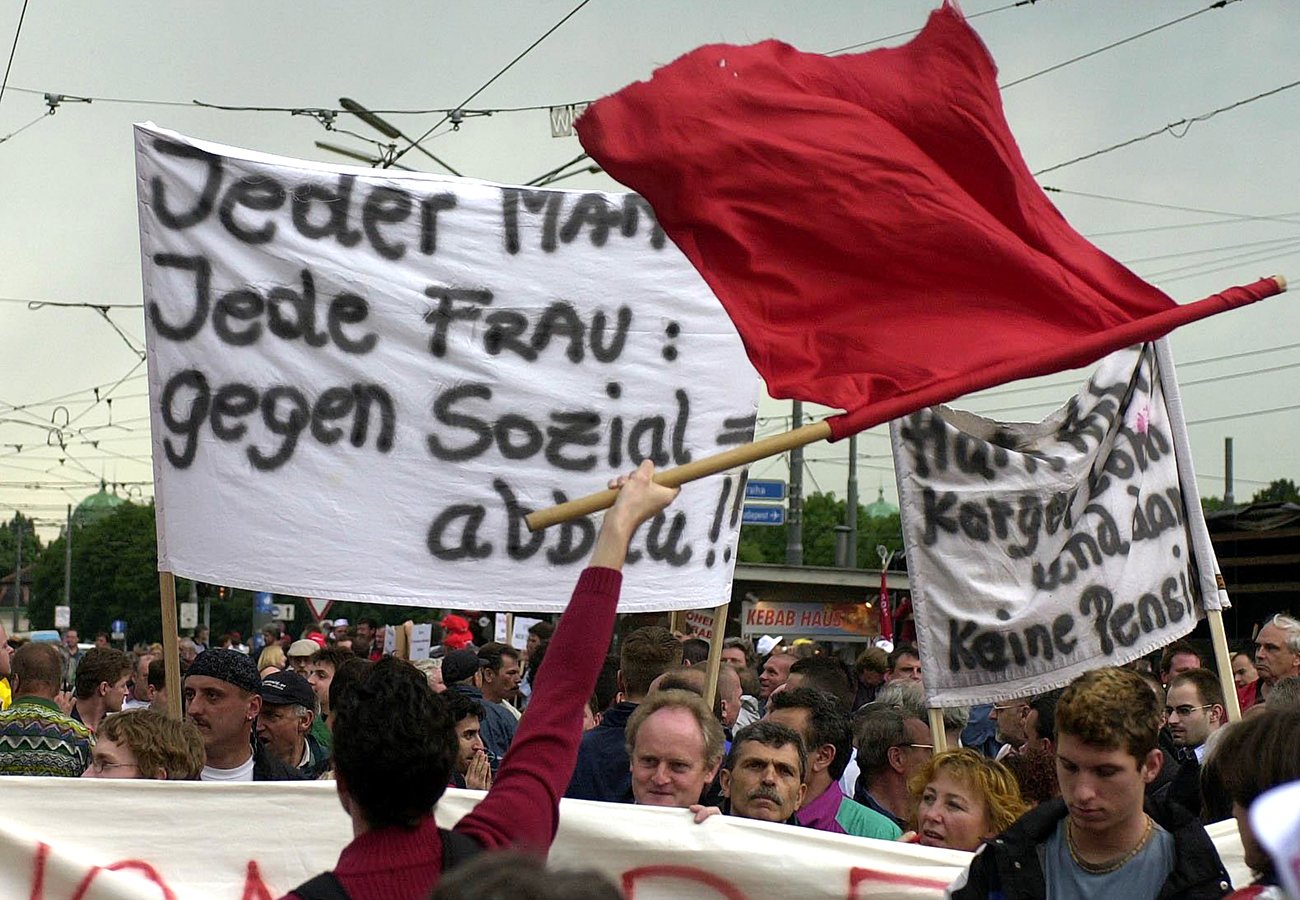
361	382
1038	552
653	853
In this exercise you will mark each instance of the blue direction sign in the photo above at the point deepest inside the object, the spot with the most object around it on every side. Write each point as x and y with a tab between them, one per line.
763	515
765	489
118	629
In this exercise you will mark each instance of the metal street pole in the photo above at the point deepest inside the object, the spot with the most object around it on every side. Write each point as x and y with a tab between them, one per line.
851	507
18	567
67	560
794	521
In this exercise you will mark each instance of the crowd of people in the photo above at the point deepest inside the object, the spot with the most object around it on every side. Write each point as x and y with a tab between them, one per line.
1101	787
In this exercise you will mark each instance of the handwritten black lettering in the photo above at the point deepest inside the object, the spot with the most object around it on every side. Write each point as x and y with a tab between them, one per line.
203	203
188	402
260	193
336	202
385	206
992	650
454	533
576	538
291	314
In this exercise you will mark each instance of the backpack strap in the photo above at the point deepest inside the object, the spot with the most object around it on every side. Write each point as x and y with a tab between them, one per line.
324	886
457	848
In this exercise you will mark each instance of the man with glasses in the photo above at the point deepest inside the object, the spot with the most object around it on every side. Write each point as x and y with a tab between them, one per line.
141	743
1194	710
892	747
1009	716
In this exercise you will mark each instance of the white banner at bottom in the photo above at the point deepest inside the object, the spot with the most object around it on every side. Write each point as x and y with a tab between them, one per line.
66	839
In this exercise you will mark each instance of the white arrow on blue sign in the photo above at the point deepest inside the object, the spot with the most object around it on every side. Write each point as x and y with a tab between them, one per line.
763	515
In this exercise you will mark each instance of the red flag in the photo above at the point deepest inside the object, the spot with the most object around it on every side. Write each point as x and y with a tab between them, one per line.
869	224
886	617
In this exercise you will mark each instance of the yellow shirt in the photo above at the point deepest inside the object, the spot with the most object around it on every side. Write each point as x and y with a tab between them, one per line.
6	693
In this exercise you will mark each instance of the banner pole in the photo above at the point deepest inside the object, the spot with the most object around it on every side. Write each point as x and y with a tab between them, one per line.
715	654
701	468
1223	661
171	644
938	736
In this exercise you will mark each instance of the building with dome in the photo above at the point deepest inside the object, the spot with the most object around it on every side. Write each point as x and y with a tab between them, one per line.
96	507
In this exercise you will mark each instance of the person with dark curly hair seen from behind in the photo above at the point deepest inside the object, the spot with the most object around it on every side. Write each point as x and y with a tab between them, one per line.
395	746
1102	838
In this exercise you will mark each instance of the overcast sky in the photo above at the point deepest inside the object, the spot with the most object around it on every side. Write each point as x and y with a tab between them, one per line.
67	187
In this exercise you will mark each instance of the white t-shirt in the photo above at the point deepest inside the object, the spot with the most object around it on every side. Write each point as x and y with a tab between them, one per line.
242	772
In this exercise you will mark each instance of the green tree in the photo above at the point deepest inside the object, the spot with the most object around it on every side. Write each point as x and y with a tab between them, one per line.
114	575
8	541
1281	490
822	512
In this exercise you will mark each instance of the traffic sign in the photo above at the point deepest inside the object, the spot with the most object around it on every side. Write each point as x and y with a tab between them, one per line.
319	608
189	615
284	612
763	515
765	489
63	617
118	629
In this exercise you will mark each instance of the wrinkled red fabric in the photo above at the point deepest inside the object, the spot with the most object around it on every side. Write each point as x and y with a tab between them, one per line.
869	224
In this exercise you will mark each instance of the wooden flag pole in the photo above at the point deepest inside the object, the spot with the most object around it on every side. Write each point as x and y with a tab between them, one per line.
938	736
171	644
715	654
1223	660
701	468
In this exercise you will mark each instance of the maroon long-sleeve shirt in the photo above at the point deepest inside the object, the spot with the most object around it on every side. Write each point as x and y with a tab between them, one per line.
523	807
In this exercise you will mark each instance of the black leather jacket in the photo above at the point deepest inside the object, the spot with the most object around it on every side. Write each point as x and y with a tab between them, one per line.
1008	867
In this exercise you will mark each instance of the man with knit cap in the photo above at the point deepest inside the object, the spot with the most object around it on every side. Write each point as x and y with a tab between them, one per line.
222	693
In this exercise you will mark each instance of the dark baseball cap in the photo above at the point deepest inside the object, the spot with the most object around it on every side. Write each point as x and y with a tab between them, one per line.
460	665
287	687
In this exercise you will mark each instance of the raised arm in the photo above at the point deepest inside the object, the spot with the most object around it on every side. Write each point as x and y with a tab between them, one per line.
522	808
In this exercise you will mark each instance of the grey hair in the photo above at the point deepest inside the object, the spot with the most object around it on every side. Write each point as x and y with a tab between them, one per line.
906	696
1285	695
1292	628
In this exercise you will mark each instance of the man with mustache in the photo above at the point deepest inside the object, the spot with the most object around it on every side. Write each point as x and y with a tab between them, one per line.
764	774
222	692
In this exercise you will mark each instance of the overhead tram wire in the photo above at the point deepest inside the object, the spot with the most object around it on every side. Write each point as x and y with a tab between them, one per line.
1286	218
1219	4
491	80
41	118
12	50
912	31
1171	128
1250	256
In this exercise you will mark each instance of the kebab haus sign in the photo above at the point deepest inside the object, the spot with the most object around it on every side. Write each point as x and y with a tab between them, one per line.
823	621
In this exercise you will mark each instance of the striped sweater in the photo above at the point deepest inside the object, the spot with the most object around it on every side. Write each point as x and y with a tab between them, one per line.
36	738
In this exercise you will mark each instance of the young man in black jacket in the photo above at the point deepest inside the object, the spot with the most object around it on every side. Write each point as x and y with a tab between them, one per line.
1099	838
